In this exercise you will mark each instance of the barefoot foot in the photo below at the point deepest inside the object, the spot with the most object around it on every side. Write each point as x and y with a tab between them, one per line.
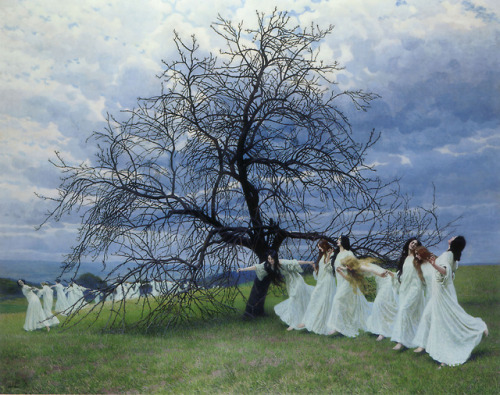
397	347
332	332
290	328
380	337
486	332
440	366
301	326
418	349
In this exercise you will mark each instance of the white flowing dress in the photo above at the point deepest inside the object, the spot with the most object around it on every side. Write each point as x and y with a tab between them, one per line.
48	300
291	311
119	293
34	314
320	304
155	289
350	309
385	307
411	305
75	296
446	331
428	273
61	301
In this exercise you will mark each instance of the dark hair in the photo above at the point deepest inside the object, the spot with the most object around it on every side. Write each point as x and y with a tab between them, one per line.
325	245
404	255
336	251
274	273
345	242
457	245
58	280
21	279
346	245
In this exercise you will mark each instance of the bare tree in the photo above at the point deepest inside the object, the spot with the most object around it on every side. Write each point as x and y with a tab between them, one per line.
241	153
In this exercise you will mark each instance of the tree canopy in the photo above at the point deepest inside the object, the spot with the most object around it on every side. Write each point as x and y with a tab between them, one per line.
244	151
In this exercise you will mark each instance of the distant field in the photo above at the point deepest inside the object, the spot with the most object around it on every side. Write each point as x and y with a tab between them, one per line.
229	355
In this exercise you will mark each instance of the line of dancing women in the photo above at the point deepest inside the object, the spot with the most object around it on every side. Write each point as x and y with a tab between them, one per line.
72	298
416	308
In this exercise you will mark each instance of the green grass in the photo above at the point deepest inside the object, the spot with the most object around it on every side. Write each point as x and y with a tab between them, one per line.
230	355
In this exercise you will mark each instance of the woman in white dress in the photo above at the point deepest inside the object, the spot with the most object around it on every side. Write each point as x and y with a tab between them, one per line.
385	306
75	296
292	309
35	316
48	300
411	298
425	270
320	304
446	331
62	301
350	309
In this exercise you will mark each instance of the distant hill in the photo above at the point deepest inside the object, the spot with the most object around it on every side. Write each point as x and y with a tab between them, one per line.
37	271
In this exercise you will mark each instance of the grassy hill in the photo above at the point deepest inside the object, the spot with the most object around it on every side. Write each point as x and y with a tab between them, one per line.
230	355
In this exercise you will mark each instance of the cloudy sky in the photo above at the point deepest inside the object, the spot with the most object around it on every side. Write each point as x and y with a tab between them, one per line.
65	65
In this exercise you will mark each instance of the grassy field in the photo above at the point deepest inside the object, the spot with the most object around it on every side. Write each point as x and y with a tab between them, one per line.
231	355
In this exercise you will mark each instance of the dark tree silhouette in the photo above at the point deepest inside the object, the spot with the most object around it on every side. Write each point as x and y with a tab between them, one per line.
242	152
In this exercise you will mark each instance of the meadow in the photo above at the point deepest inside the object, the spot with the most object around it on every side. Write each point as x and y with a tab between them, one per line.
232	355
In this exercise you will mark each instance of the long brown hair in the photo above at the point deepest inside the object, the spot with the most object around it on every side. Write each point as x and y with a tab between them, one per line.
325	245
425	256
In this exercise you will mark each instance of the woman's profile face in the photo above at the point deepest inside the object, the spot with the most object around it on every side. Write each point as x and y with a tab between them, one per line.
320	248
453	238
413	245
339	242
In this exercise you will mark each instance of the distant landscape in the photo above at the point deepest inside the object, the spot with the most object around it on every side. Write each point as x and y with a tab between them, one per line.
36	271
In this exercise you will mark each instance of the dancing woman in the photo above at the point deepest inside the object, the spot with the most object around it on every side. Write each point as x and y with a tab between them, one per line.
48	300
411	298
320	304
292	309
424	270
350	309
35	316
62	301
446	331
385	305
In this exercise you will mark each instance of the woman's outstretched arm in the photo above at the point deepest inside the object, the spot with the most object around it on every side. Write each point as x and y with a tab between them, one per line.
246	269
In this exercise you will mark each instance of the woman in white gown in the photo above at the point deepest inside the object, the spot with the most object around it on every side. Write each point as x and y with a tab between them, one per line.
62	301
425	270
292	309
75	296
35	316
446	331
350	309
385	306
320	304
411	298
48	300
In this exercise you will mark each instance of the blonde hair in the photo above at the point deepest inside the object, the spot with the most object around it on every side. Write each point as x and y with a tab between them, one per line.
355	275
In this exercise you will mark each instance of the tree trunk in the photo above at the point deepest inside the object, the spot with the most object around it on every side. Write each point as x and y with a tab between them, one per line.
255	303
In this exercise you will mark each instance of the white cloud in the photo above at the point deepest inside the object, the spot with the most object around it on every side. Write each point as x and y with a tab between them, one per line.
404	160
63	65
482	140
